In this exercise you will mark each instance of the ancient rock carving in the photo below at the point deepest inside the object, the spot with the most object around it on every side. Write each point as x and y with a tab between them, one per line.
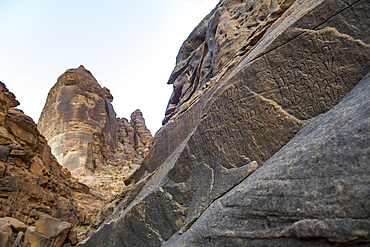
312	192
216	44
249	77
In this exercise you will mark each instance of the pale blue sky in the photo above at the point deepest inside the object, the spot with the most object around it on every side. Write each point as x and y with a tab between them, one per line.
129	46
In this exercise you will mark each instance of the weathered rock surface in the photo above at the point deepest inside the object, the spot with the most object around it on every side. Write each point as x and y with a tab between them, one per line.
32	183
314	191
85	136
5	232
247	80
133	139
17	225
49	232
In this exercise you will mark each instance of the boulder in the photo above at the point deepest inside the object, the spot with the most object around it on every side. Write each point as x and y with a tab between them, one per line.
35	239
17	225
54	229
48	232
5	232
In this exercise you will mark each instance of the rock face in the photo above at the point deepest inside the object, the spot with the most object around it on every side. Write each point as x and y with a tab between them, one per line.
32	183
313	192
228	168
85	136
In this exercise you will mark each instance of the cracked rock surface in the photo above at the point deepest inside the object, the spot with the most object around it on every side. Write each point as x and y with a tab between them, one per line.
314	191
228	167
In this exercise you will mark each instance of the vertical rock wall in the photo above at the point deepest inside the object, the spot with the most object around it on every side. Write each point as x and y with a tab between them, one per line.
32	183
81	127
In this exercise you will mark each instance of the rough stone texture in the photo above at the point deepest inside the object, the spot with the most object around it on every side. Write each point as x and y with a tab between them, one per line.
32	183
72	237
53	228
18	240
216	45
5	232
249	77
36	239
313	192
49	232
108	208
17	225
81	127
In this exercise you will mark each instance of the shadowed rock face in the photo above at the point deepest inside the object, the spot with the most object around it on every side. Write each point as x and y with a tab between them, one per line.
215	175
215	46
32	183
81	127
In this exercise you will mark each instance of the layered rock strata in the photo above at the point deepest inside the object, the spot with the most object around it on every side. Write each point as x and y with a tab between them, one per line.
32	183
247	80
81	127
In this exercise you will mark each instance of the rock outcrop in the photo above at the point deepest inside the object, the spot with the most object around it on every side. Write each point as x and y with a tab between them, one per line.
32	183
228	168
85	136
49	232
133	139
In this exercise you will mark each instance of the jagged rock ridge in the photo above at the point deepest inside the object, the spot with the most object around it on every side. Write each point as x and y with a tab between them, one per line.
81	127
215	175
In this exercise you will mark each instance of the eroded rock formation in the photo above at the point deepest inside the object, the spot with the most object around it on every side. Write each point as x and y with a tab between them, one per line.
32	183
228	168
134	138
81	127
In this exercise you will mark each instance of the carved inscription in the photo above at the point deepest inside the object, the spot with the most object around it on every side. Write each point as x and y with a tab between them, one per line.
311	73
240	127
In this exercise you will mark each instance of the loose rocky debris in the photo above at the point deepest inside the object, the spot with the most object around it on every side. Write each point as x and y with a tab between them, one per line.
48	232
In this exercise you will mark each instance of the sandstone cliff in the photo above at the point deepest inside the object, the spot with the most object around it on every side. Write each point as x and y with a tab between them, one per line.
134	138
32	183
81	127
261	146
